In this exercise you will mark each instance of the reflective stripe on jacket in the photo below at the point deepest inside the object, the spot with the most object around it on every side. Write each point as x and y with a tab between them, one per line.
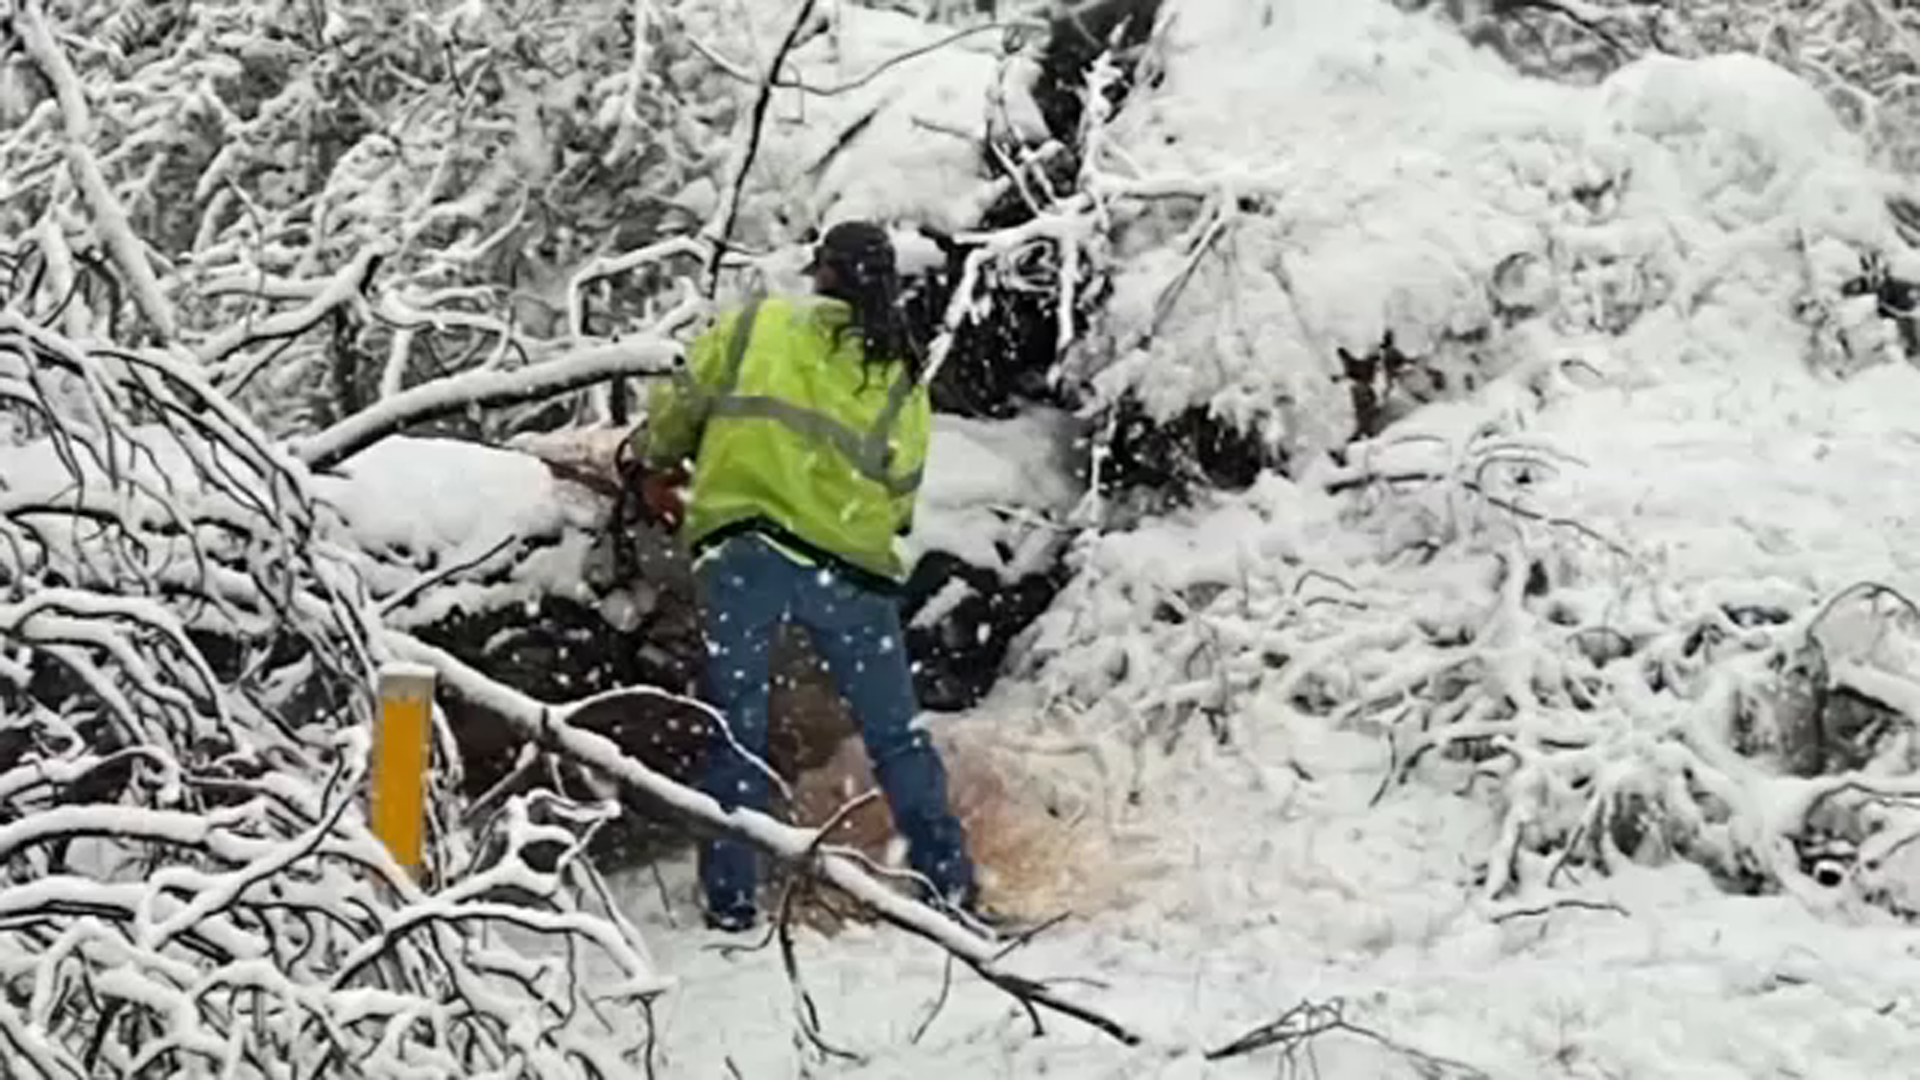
787	426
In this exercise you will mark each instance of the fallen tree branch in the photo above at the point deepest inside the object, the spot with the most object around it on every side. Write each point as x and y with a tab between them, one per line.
547	726
427	581
455	393
804	1004
939	1003
1585	16
1571	903
1300	1025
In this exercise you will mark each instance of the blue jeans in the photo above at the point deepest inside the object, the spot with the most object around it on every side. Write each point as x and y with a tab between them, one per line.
748	588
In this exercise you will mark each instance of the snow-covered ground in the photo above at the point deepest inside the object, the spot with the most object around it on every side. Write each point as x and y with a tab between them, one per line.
1244	904
1249	888
1261	875
1659	431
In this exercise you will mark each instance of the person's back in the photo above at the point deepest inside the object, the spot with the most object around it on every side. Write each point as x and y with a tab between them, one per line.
809	426
822	449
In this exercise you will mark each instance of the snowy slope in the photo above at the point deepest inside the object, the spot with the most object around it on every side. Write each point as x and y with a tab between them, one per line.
1367	174
1638	290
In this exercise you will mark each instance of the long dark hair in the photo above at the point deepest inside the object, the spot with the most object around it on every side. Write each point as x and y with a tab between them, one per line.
878	318
864	275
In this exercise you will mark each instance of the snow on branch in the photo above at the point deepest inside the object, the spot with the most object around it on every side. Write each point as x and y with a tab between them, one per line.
186	662
296	938
432	225
1076	225
605	267
139	480
547	726
479	389
1500	643
129	254
343	288
738	71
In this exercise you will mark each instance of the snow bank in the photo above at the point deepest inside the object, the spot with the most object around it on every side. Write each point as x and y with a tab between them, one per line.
494	528
1629	578
1759	480
489	529
1360	173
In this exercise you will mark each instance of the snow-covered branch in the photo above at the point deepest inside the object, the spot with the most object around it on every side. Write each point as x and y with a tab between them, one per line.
740	72
129	253
480	389
243	218
343	288
547	726
1737	725
295	909
186	663
605	267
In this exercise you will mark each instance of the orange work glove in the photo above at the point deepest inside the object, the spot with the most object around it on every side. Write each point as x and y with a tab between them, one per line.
660	492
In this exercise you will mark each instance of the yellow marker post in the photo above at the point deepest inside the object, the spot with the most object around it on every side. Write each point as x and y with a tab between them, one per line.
402	753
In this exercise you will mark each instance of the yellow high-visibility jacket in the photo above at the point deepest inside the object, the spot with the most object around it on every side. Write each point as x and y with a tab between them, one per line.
793	435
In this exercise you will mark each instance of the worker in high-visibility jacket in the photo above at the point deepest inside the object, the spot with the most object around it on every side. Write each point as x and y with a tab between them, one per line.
808	425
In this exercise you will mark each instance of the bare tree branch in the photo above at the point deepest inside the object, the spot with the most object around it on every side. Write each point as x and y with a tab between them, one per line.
1299	1026
720	232
865	78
